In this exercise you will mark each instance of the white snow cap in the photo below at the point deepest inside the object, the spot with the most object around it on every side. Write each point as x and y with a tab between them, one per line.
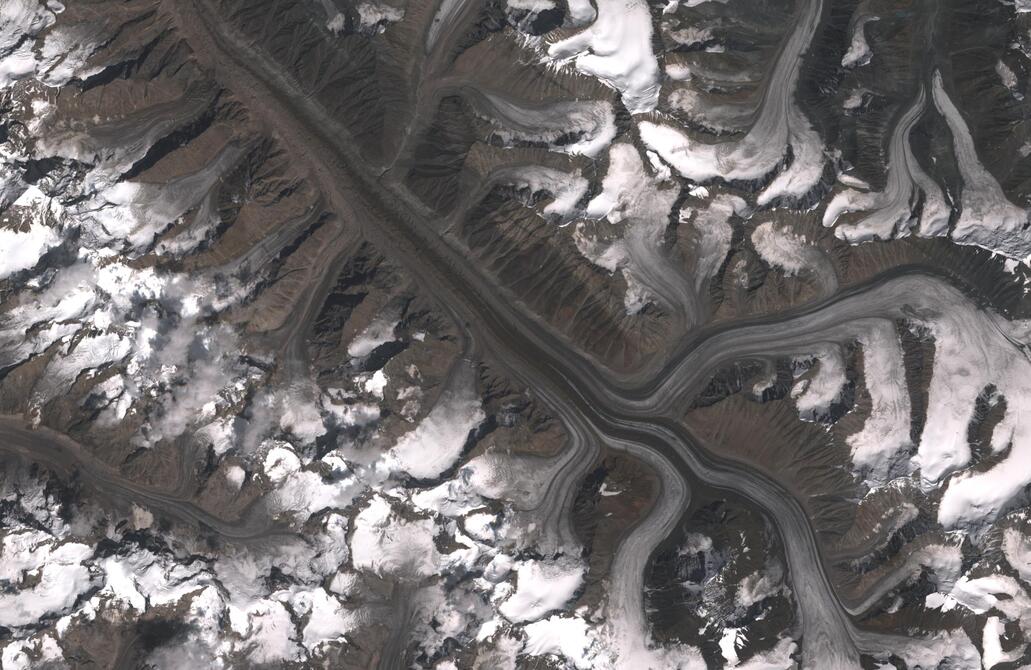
542	587
436	443
385	544
617	49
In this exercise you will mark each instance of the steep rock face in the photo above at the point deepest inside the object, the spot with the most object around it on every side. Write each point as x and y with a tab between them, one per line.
475	335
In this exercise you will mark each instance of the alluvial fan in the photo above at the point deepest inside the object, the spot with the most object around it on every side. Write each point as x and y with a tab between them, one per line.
615	334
